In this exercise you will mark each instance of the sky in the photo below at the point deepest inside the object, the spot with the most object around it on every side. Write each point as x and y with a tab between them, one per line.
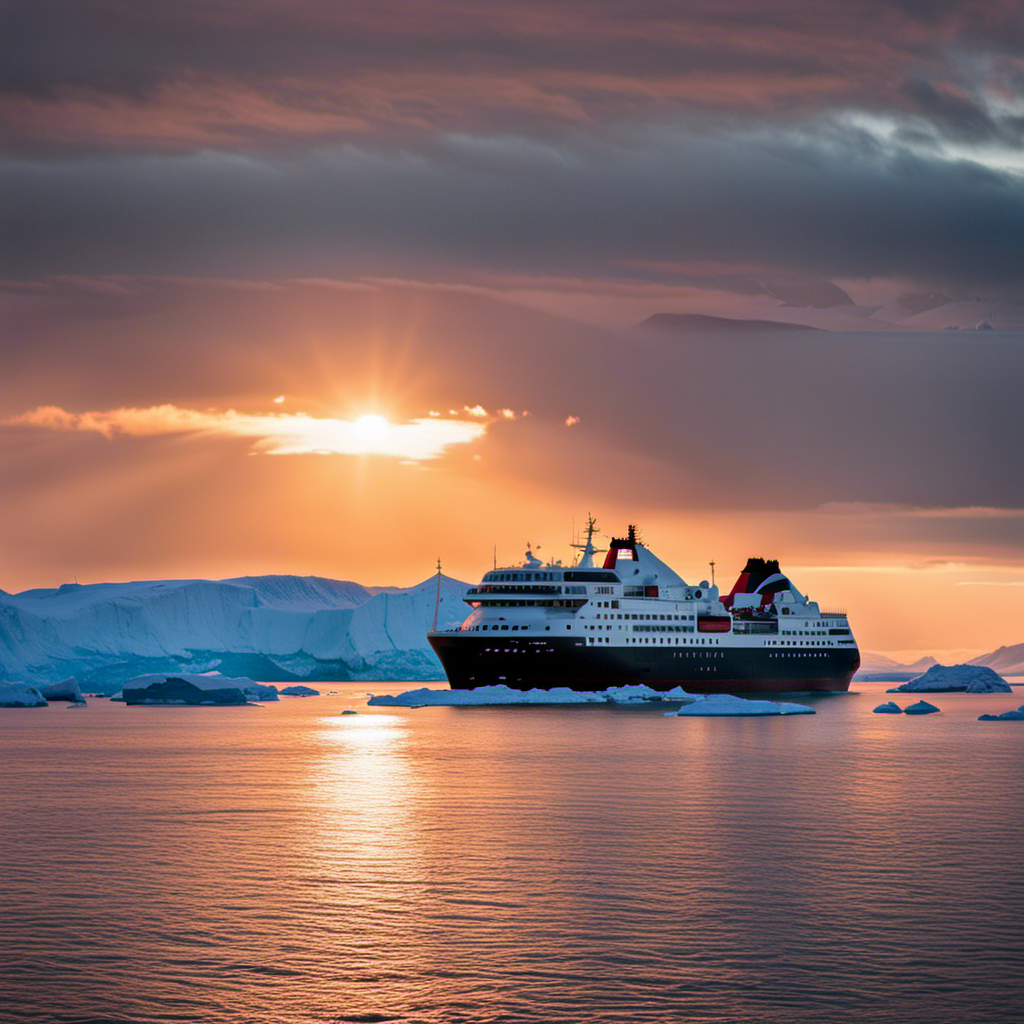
342	289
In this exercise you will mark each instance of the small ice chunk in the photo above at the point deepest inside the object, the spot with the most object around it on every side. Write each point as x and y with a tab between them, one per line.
66	690
501	694
1006	716
922	707
719	704
299	691
350	711
641	692
20	695
890	707
482	695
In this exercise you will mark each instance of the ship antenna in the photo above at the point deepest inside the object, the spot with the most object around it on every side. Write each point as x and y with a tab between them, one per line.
712	564
588	549
437	599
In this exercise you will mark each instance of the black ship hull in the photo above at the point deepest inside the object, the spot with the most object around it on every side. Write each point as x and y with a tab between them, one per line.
524	664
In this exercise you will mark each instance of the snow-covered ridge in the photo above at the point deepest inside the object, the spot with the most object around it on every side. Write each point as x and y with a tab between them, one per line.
269	628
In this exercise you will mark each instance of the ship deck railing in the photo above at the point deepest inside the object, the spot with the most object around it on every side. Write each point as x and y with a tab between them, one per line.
512	588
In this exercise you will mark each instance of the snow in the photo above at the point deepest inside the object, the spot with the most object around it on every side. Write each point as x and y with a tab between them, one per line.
1006	716
951	678
922	707
1009	661
266	627
482	696
723	704
717	704
20	695
969	314
890	707
299	691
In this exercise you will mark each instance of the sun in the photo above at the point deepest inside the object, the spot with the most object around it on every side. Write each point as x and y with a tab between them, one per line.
370	431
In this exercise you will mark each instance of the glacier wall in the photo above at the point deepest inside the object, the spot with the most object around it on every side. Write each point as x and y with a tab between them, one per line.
270	628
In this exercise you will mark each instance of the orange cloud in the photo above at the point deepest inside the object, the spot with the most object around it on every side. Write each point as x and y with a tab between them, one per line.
273	434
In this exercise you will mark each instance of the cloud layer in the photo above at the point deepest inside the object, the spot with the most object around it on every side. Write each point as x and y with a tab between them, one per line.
273	434
874	139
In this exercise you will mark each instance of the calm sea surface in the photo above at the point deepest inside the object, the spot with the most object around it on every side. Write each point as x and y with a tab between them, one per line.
291	864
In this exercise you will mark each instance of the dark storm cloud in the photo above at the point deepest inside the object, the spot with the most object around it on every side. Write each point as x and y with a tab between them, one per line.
156	76
511	204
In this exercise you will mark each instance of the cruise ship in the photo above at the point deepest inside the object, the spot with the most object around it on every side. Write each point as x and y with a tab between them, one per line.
634	620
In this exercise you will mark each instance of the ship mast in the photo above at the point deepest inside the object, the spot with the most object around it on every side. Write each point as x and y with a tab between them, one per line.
437	599
588	549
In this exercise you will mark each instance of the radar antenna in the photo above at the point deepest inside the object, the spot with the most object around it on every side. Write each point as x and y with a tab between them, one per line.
587	559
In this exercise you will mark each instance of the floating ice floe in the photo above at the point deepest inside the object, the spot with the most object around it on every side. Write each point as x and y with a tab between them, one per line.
890	707
20	695
501	694
210	681
299	691
66	690
722	704
922	707
1006	716
180	692
954	678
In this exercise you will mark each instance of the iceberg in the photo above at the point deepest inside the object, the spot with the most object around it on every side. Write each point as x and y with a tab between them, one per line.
299	691
922	707
66	690
211	681
890	707
20	695
1006	716
716	705
183	693
270	628
483	696
955	678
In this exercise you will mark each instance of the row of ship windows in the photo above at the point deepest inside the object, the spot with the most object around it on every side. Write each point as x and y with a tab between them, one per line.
799	643
713	654
520	577
506	626
843	631
651	640
647	618
656	629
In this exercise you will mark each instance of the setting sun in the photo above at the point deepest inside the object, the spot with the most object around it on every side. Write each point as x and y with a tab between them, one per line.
370	431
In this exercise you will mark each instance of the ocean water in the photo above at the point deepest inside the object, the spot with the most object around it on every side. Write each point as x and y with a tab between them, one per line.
291	864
